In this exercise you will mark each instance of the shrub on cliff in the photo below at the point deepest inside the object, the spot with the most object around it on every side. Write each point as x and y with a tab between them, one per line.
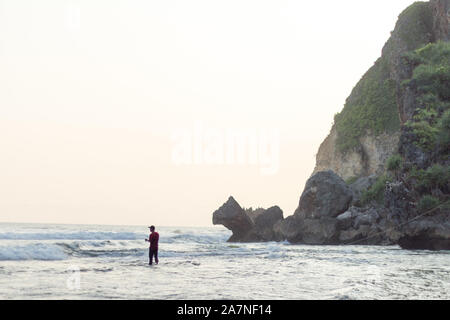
394	162
427	203
432	75
431	81
443	135
435	177
426	134
376	192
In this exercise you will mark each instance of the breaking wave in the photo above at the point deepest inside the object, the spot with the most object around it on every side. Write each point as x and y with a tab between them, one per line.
32	252
82	235
62	251
57	245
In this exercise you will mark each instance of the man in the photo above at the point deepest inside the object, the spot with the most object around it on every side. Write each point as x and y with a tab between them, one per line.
153	251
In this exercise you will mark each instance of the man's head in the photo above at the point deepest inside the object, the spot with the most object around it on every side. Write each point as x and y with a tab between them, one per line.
152	228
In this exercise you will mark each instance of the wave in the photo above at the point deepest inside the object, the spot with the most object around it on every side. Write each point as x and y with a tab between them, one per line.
85	244
194	238
82	235
131	249
32	252
62	251
175	237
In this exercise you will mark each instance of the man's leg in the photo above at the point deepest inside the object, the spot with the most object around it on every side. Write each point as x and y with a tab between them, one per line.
150	256
156	256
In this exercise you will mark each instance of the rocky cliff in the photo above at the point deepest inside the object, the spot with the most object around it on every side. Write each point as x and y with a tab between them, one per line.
367	131
409	158
368	158
382	175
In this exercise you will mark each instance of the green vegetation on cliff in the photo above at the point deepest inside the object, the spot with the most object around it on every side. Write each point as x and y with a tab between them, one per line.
430	124
443	136
394	162
431	74
434	177
371	107
411	80
431	81
427	203
412	28
376	191
429	128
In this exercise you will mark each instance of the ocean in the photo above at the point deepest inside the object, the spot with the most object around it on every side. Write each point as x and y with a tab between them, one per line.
43	261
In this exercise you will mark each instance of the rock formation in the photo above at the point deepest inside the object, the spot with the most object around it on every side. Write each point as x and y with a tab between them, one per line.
391	143
410	81
264	222
325	195
248	226
441	19
324	216
314	222
426	235
367	160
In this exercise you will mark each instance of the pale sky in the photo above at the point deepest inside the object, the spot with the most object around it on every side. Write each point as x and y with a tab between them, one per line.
91	93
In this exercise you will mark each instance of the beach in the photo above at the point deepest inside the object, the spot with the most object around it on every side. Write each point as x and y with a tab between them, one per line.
40	261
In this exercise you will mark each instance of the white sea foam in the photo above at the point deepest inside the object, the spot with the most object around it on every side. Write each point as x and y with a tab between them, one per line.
198	263
194	238
36	251
65	250
89	235
82	235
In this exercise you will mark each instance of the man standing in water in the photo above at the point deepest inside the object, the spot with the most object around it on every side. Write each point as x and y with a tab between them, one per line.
153	250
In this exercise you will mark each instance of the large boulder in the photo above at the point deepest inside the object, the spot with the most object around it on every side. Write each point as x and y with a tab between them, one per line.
427	234
326	195
346	219
233	217
314	222
289	229
370	217
319	231
264	222
366	226
354	236
309	231
249	226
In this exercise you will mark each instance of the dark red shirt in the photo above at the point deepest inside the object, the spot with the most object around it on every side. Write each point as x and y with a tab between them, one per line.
154	238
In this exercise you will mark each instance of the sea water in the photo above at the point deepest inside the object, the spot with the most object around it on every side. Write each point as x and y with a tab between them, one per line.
39	261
